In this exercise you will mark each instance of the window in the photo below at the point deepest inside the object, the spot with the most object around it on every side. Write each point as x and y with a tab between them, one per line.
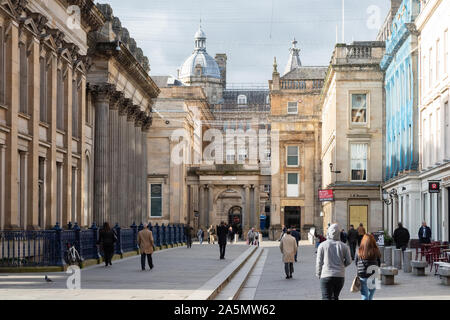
267	99
359	108
292	108
156	200
23	83
438	58
2	67
425	144
75	107
59	192
242	99
359	161
60	100
292	185
43	86
424	74
230	154
242	154
430	64
292	156
267	188
74	195
447	130
445	51
41	193
268	154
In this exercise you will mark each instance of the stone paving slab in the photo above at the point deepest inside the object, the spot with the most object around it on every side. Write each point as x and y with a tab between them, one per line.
273	284
177	273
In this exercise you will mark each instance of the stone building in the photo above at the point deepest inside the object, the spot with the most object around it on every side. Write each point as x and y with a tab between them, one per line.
194	178
42	110
433	23
119	105
295	120
401	172
352	136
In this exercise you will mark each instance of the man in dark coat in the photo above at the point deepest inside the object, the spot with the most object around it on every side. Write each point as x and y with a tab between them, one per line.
401	237
107	238
188	231
352	238
296	235
343	236
222	232
425	233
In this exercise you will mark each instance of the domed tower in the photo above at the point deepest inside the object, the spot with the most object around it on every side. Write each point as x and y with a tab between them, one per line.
200	69
294	58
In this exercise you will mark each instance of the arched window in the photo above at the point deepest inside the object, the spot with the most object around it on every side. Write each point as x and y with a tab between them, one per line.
87	175
242	99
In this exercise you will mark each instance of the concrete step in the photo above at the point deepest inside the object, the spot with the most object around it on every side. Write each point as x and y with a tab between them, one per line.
234	287
213	286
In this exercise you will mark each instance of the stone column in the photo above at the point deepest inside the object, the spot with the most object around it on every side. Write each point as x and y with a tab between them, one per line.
131	166
145	194
138	168
256	205
246	215
114	156
202	207
2	185
101	153
122	206
210	205
407	258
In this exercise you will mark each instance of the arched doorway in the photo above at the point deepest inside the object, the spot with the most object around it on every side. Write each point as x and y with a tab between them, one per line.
235	219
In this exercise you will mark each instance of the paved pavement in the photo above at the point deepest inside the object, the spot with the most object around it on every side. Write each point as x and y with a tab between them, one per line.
177	273
273	285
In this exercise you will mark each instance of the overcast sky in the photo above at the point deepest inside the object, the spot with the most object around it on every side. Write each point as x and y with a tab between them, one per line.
250	32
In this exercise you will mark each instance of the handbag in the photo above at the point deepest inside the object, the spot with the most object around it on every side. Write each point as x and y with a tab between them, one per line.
356	285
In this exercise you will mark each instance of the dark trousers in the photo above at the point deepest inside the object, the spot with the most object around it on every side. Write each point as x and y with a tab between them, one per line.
289	269
189	241
359	239
352	249
331	287
108	252
222	246
149	260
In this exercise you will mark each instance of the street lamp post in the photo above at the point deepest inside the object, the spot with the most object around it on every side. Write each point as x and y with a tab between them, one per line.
388	198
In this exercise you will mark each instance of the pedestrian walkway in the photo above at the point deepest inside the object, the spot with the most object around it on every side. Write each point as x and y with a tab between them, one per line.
273	285
177	273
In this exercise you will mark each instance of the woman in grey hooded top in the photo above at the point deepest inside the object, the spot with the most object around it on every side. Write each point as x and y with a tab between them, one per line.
333	256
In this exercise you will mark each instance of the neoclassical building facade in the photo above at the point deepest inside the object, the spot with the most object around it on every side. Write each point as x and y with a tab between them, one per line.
43	88
75	104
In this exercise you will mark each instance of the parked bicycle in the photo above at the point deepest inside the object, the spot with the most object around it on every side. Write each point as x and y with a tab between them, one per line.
71	255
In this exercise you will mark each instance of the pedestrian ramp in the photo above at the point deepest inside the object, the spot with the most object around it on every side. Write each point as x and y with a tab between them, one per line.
227	284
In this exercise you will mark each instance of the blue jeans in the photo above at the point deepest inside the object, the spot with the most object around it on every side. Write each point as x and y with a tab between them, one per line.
366	293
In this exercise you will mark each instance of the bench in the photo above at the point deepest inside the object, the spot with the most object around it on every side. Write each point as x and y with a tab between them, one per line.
418	267
388	274
444	273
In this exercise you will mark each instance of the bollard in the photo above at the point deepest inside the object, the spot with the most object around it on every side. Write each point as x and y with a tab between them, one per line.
398	258
407	257
382	253
388	256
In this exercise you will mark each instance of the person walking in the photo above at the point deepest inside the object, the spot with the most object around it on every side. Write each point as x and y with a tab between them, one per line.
230	234
222	232
343	236
283	232
200	235
106	240
189	234
211	233
296	235
251	236
368	255
146	242
424	233
288	247
401	237
352	238
333	257
361	233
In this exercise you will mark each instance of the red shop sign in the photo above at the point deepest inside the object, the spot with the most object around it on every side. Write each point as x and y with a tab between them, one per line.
326	195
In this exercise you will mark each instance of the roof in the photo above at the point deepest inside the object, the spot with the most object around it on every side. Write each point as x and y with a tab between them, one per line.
306	73
254	98
166	81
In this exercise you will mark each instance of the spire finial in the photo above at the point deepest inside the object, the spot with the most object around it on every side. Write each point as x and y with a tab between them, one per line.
275	65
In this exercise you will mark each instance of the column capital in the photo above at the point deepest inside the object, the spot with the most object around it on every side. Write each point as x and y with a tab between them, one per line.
140	118
124	105
147	123
102	92
132	112
116	100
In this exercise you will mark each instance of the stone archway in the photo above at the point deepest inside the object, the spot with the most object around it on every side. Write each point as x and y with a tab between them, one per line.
226	200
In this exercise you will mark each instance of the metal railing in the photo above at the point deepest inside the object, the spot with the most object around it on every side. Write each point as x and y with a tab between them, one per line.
48	248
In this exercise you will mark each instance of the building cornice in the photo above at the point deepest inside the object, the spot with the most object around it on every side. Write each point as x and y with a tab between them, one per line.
426	13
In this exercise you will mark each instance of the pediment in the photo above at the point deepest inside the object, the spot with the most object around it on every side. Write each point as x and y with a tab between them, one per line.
8	6
29	22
